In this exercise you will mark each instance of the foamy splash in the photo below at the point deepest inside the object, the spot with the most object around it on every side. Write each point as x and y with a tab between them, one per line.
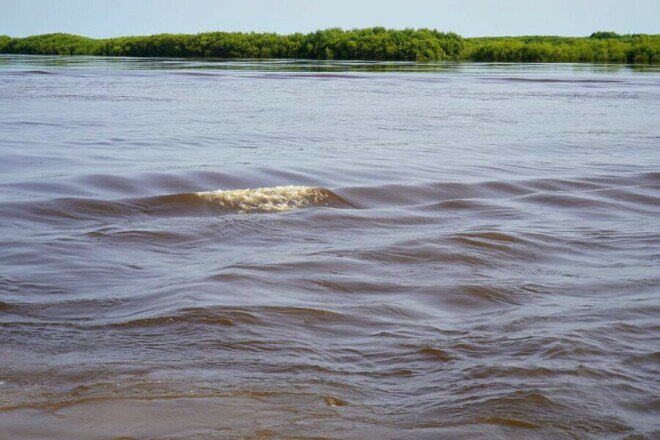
270	199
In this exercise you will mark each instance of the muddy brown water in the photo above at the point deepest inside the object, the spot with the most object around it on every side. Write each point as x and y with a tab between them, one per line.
278	249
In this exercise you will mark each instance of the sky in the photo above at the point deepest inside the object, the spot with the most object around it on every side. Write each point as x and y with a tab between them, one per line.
107	18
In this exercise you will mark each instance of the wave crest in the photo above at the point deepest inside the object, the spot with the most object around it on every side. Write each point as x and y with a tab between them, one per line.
270	199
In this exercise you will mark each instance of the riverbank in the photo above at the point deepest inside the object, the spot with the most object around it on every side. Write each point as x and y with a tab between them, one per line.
357	44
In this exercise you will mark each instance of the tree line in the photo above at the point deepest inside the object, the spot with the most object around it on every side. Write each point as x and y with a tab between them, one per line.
359	44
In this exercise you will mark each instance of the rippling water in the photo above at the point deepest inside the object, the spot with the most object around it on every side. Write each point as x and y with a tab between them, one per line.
200	249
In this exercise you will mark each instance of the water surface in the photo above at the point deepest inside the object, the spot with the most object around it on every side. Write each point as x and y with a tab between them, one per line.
222	249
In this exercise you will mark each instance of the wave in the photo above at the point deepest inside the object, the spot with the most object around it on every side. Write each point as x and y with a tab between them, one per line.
275	199
31	72
271	199
501	199
554	80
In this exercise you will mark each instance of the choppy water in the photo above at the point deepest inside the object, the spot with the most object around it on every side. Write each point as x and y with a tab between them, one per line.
337	250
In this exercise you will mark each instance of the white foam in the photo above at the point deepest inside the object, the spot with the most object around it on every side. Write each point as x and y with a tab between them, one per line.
269	199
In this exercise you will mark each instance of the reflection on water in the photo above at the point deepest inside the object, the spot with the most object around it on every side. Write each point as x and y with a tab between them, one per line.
293	65
222	249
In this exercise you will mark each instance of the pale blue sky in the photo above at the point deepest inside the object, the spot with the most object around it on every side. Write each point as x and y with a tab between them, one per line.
103	18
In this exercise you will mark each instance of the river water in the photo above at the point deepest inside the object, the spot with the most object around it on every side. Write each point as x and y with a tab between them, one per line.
276	249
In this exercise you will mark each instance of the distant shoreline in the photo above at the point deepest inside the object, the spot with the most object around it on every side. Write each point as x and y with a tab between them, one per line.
377	44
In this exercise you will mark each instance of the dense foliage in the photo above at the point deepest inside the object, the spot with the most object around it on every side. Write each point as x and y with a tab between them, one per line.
601	47
366	44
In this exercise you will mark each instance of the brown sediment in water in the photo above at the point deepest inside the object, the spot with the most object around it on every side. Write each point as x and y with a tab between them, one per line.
410	255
